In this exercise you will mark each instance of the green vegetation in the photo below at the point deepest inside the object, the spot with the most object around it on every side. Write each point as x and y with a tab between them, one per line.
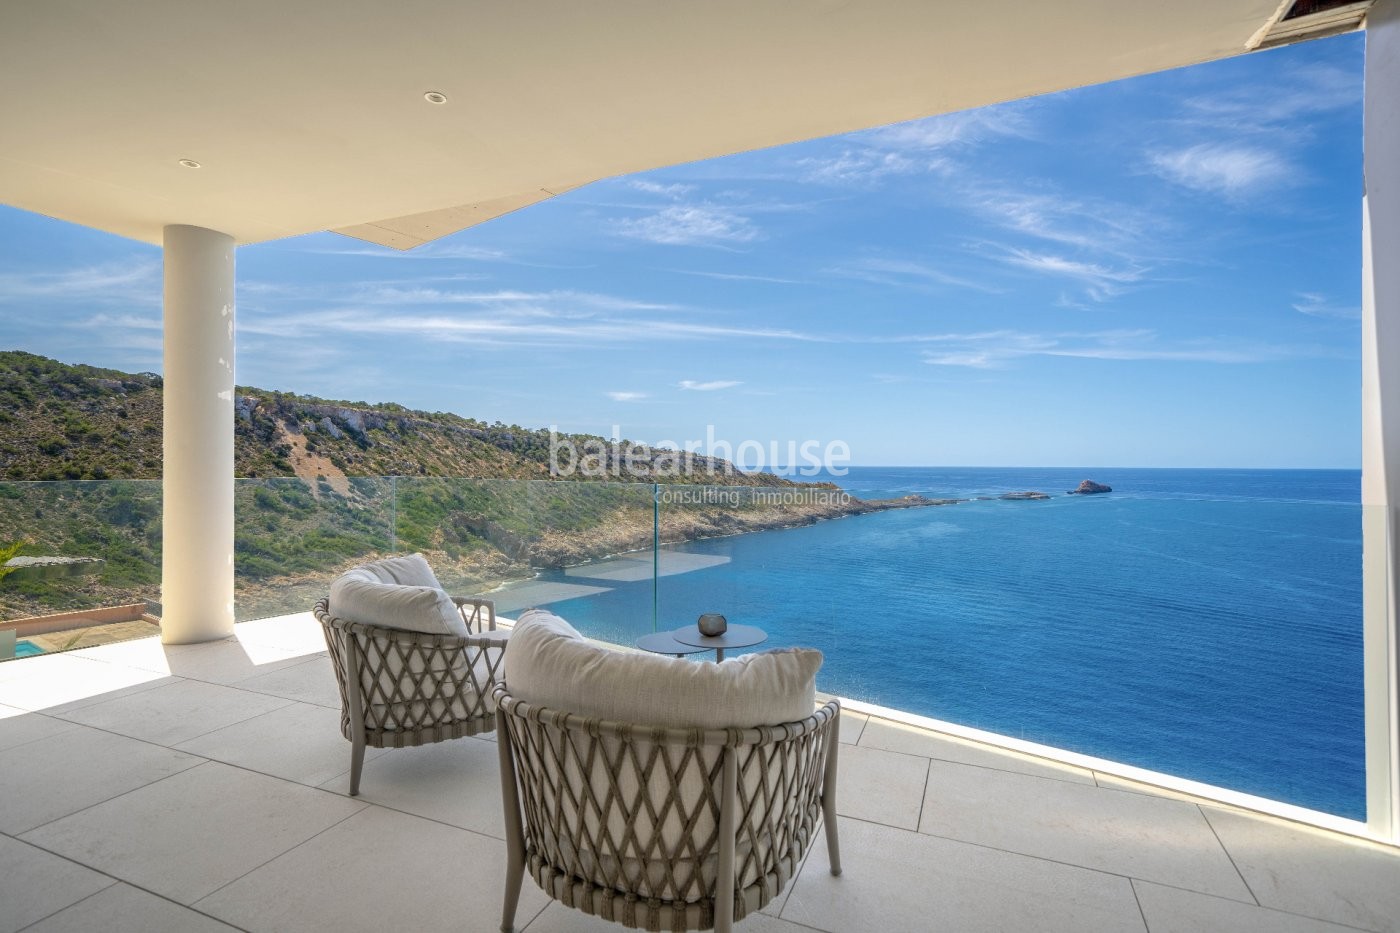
6	552
328	483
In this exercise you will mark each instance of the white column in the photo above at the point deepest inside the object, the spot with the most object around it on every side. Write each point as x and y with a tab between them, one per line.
197	537
1380	421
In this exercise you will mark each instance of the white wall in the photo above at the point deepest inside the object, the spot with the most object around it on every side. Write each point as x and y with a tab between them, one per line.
1380	482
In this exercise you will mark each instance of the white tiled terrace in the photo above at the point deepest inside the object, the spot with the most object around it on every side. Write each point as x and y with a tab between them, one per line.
203	787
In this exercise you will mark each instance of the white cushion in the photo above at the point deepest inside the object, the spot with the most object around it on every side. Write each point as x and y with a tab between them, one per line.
361	595
409	570
551	664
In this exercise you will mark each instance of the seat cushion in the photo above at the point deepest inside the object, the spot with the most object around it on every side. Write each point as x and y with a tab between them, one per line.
551	664
373	594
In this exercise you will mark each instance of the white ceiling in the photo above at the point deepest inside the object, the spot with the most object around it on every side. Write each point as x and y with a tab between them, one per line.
310	115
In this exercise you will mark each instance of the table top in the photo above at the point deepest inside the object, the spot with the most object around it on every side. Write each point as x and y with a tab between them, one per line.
736	636
665	643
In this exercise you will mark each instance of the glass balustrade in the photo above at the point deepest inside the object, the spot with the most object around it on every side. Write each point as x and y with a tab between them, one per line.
1215	637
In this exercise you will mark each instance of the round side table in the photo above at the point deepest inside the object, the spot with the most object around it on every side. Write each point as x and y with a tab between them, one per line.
736	636
665	643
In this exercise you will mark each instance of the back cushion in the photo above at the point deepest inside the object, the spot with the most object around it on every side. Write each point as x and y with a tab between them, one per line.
551	664
409	570
362	595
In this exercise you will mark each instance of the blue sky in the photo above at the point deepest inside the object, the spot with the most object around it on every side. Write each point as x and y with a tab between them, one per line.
1163	271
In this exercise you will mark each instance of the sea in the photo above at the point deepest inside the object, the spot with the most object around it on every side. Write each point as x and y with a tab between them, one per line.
1205	623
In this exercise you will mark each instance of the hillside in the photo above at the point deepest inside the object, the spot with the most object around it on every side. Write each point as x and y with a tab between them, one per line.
63	421
331	483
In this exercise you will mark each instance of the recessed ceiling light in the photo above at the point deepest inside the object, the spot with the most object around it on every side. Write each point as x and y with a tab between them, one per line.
189	163
435	97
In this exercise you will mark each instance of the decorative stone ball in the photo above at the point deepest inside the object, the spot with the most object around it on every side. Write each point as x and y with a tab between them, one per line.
712	623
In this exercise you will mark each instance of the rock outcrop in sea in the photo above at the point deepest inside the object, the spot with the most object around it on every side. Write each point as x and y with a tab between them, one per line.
1090	488
1024	495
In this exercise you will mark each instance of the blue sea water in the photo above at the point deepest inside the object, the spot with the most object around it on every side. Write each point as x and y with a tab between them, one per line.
1204	623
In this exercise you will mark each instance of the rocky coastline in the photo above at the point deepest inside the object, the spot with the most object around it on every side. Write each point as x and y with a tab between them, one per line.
631	530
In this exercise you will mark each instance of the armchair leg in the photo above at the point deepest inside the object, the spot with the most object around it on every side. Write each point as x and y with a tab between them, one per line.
515	874
833	846
357	762
724	880
515	833
353	663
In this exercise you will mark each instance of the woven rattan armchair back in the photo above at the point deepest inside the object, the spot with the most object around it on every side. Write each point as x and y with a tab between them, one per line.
400	688
662	829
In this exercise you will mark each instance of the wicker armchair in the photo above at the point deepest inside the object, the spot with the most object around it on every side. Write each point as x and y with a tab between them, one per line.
402	688
662	829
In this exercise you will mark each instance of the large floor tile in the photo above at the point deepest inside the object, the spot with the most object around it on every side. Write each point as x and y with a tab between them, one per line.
74	769
880	786
310	680
145	653
378	870
124	909
852	725
50	665
893	879
231	661
34	884
67	681
897	737
1128	834
299	742
176	712
18	726
195	832
1172	910
556	918
455	782
1313	873
299	632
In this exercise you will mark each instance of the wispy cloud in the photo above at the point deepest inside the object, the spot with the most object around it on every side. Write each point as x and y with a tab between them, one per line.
437	250
674	190
1083	222
111	322
998	349
1100	282
966	127
399	296
626	396
1316	305
915	147
739	277
513	319
908	273
864	166
1229	169
1314	90
135	280
714	386
690	225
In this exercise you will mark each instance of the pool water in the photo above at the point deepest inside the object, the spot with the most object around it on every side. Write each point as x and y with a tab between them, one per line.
27	649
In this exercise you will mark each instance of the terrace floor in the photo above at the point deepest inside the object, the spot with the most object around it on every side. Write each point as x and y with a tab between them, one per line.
203	787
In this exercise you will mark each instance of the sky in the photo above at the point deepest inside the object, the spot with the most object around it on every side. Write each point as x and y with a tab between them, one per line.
1162	271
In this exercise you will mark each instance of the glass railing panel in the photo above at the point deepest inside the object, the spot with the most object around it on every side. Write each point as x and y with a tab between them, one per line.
580	549
293	537
88	567
725	550
1197	629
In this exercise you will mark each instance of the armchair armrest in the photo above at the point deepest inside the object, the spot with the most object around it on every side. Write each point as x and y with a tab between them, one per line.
478	614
